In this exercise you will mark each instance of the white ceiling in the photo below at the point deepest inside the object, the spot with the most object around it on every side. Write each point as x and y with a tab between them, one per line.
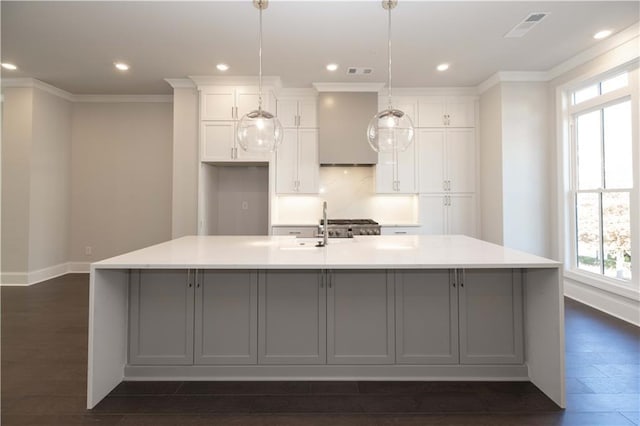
72	45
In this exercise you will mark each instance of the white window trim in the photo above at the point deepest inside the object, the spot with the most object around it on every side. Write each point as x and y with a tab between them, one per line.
565	155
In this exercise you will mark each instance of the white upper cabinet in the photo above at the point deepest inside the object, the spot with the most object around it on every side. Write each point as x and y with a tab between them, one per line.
297	112
297	169
396	171
446	111
229	103
447	159
221	108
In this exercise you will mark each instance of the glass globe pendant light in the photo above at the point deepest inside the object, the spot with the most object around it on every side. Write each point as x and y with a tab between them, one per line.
390	130
259	130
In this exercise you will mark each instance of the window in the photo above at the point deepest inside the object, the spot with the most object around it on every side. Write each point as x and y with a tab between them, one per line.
602	190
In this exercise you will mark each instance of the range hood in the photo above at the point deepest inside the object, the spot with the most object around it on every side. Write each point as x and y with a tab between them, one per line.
343	118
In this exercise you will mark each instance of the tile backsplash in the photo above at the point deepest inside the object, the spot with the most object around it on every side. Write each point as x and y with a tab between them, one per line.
350	194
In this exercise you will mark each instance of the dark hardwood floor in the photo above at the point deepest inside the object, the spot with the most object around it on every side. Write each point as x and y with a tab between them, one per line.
44	357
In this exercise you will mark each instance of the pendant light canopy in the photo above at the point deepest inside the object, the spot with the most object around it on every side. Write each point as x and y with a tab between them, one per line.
259	130
390	130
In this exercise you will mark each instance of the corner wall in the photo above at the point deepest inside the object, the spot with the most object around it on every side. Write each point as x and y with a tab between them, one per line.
491	228
121	174
17	119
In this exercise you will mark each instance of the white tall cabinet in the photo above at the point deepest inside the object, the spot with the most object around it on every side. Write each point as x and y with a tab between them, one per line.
396	171
297	169
447	165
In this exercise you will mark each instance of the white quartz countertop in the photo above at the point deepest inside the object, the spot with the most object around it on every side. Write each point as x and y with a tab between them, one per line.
285	252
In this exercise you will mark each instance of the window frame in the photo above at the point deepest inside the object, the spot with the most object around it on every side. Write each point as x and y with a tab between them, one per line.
568	175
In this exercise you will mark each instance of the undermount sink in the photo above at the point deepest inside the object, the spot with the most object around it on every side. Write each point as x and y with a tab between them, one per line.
311	243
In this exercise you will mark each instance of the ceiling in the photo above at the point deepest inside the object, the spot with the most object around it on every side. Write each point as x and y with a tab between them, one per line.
73	45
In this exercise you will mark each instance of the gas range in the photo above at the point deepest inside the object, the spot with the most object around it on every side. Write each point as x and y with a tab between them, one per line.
347	228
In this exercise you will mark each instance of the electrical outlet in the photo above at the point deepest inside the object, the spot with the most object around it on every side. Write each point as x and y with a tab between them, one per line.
88	250
245	205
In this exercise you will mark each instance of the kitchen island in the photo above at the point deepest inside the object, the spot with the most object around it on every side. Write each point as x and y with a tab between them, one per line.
280	308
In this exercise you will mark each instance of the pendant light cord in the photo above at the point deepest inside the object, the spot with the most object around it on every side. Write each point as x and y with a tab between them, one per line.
389	54
260	63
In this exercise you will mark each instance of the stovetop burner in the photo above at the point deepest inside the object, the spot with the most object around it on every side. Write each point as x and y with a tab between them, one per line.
350	222
347	228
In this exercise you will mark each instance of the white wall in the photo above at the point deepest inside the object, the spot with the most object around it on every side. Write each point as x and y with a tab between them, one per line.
491	228
185	163
121	171
17	108
237	185
525	166
50	183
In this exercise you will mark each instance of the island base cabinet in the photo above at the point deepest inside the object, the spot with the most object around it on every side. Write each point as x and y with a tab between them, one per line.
360	317
292	319
226	317
491	315
161	317
426	317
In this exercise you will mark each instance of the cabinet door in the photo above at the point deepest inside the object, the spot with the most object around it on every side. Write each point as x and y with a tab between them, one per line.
431	111
287	163
307	110
431	160
386	173
217	103
461	111
308	167
432	214
287	112
461	215
161	317
292	323
406	170
360	318
217	139
247	101
461	160
491	316
406	104
426	317
226	317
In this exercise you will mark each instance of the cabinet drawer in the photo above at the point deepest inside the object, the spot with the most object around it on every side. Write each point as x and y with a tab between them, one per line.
297	231
400	230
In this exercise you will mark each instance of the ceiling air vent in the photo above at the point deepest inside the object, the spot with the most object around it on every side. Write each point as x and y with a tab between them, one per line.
359	71
525	26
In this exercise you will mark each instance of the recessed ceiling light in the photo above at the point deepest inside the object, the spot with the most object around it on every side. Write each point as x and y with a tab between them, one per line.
222	67
602	34
8	66
121	66
332	67
442	67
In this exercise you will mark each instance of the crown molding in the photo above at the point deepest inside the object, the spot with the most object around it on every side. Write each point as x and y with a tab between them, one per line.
348	87
122	98
181	83
628	40
37	84
431	91
297	93
204	80
599	49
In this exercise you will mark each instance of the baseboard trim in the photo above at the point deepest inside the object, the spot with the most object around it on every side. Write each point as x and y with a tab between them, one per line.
13	279
328	372
79	267
610	303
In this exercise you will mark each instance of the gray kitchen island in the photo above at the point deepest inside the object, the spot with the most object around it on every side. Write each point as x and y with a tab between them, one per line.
367	308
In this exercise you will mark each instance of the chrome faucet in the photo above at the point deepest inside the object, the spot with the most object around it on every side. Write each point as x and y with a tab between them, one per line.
325	231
